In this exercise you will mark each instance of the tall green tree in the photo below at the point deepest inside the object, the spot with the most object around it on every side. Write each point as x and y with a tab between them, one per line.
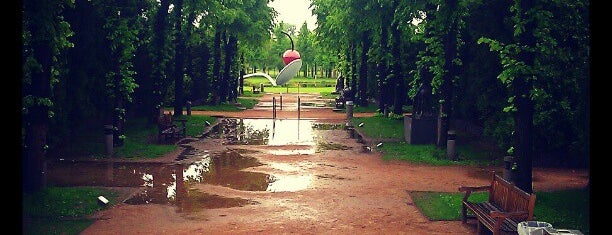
120	79
179	59
536	59
45	36
160	57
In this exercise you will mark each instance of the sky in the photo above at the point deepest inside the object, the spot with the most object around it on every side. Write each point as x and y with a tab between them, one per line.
294	12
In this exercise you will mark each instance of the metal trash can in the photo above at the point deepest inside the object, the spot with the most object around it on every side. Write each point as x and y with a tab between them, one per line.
533	228
108	139
451	152
559	231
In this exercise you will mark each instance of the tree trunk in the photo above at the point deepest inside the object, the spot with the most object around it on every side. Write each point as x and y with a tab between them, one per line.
363	68
399	94
523	118
179	61
37	117
382	66
353	62
450	51
242	73
230	81
159	42
216	67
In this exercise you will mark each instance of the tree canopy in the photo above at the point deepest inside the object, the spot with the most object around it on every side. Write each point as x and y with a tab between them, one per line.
519	70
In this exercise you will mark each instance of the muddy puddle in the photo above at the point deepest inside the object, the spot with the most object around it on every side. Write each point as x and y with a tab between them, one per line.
173	184
274	132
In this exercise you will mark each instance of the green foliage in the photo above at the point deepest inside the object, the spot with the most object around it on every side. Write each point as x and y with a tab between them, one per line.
439	206
556	75
48	206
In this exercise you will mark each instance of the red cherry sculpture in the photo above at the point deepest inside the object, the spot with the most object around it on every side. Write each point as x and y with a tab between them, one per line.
290	55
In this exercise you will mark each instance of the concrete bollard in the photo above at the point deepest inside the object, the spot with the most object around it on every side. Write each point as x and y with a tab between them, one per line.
349	109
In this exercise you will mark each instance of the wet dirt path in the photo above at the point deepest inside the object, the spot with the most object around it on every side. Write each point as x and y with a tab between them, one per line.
338	190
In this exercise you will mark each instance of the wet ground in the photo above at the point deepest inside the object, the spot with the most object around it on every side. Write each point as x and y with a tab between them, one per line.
250	175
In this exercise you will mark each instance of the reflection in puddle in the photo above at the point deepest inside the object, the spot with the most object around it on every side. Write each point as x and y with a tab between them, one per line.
289	183
172	183
192	200
265	131
293	152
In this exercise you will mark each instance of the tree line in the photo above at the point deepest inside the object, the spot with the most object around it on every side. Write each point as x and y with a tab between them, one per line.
89	63
520	69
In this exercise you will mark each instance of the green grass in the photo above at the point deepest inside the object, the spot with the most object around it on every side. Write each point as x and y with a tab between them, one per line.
568	209
310	82
393	128
248	103
443	206
293	89
370	108
46	208
328	94
428	154
141	141
249	93
195	124
380	127
564	209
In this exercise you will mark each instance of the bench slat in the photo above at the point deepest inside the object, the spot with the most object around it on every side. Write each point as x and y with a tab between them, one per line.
482	210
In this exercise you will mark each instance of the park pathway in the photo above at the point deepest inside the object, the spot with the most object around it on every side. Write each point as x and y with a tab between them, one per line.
321	183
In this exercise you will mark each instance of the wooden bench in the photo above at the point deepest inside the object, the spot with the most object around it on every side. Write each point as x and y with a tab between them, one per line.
507	206
167	130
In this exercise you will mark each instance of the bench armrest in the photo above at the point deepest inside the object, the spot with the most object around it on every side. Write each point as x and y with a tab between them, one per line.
469	189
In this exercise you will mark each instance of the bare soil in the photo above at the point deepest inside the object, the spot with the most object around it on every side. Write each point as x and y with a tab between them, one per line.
351	191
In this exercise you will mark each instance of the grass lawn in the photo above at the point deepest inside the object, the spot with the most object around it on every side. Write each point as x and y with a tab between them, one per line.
392	128
294	89
58	210
319	82
431	155
247	103
441	205
380	127
564	209
141	141
195	124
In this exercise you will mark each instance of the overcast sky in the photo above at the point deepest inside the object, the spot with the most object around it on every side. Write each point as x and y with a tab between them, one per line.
294	12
